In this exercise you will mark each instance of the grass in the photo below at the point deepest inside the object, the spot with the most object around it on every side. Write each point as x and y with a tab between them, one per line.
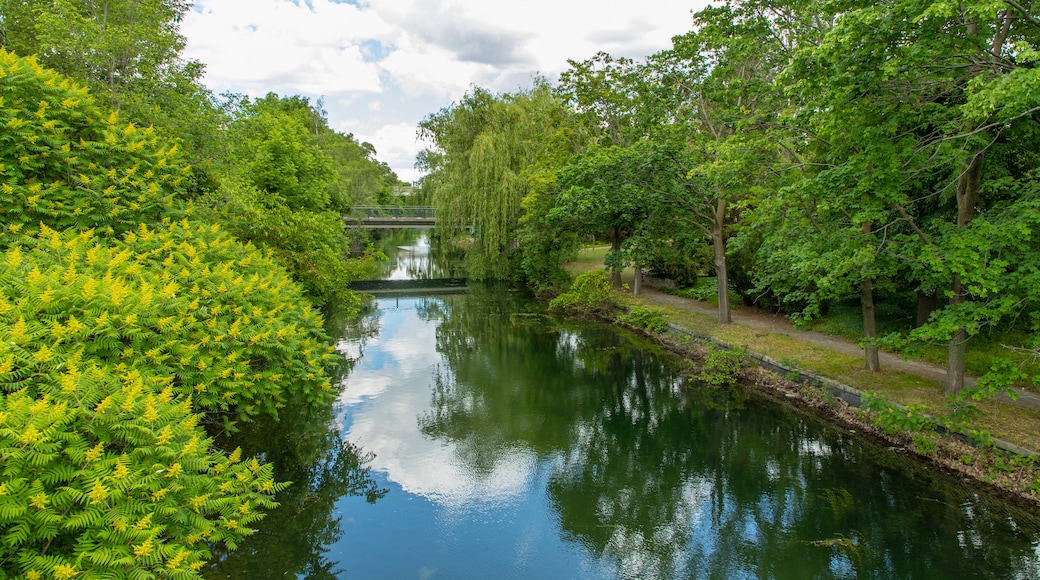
588	259
845	320
1002	420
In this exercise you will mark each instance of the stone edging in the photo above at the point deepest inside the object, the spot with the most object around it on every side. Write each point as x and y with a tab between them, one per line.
851	395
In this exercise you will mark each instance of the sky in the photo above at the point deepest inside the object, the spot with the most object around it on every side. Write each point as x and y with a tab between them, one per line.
381	66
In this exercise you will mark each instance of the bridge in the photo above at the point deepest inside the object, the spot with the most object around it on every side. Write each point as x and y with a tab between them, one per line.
390	217
410	287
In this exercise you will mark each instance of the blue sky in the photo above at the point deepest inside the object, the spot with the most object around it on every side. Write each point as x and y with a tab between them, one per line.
383	65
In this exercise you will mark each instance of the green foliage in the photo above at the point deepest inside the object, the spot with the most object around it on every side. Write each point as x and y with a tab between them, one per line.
650	319
66	163
705	290
611	191
280	193
274	148
893	418
590	294
108	349
106	474
119	321
925	444
492	166
721	367
223	321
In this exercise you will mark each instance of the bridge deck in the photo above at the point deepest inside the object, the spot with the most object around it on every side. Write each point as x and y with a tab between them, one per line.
380	217
428	286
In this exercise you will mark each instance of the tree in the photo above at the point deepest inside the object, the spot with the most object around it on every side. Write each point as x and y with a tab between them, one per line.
605	190
954	113
714	94
278	193
118	47
490	151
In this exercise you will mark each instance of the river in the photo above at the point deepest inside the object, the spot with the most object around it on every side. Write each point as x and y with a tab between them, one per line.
477	438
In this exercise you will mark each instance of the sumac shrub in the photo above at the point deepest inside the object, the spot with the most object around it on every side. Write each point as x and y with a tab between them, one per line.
65	162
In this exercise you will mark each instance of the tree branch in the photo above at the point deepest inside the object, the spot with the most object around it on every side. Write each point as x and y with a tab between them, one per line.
1025	13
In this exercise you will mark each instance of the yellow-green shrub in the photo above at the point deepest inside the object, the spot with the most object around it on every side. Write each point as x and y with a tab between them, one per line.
106	474
226	323
108	348
67	163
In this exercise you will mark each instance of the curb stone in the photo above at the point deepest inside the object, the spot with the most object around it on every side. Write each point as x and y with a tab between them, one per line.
849	394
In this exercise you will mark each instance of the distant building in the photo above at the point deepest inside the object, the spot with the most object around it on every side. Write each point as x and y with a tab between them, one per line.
401	191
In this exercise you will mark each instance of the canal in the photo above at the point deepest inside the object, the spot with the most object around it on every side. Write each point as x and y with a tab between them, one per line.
475	437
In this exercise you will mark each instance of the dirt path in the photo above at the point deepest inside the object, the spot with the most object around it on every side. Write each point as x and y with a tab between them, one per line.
778	324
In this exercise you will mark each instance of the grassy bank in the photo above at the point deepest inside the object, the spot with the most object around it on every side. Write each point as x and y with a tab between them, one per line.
1001	420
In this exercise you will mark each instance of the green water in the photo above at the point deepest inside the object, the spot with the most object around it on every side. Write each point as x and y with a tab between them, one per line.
475	438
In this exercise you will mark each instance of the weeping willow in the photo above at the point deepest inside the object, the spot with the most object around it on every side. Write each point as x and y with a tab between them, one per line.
487	149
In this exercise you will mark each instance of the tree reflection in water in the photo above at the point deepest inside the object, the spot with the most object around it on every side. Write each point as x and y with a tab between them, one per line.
665	480
308	449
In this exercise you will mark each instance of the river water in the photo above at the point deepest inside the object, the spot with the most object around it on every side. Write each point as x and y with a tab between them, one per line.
477	438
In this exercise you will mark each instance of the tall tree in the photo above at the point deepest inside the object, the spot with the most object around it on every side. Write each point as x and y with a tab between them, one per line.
116	46
488	151
718	130
953	77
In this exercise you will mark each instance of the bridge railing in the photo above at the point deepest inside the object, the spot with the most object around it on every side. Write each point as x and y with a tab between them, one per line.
393	211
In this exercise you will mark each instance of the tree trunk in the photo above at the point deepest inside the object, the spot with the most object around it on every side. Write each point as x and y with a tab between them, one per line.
615	247
926	305
866	297
967	195
866	300
718	239
637	284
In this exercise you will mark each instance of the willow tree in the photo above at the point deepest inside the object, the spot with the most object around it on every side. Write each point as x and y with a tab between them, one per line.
488	157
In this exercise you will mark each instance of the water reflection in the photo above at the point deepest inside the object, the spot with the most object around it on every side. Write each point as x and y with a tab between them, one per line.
646	477
411	257
309	450
392	387
497	442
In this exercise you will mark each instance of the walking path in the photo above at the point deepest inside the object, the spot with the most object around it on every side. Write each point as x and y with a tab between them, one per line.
779	324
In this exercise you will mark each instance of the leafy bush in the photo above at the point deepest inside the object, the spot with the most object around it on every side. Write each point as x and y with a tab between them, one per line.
105	347
706	290
66	163
651	319
720	368
312	245
117	325
893	419
226	323
108	475
277	194
590	294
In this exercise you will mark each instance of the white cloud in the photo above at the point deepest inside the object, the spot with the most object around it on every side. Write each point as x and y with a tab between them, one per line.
399	147
256	46
386	64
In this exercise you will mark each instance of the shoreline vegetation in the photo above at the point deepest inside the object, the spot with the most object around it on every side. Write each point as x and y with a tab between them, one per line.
155	297
996	449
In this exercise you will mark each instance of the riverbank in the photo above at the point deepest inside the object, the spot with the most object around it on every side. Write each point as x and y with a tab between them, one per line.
801	354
